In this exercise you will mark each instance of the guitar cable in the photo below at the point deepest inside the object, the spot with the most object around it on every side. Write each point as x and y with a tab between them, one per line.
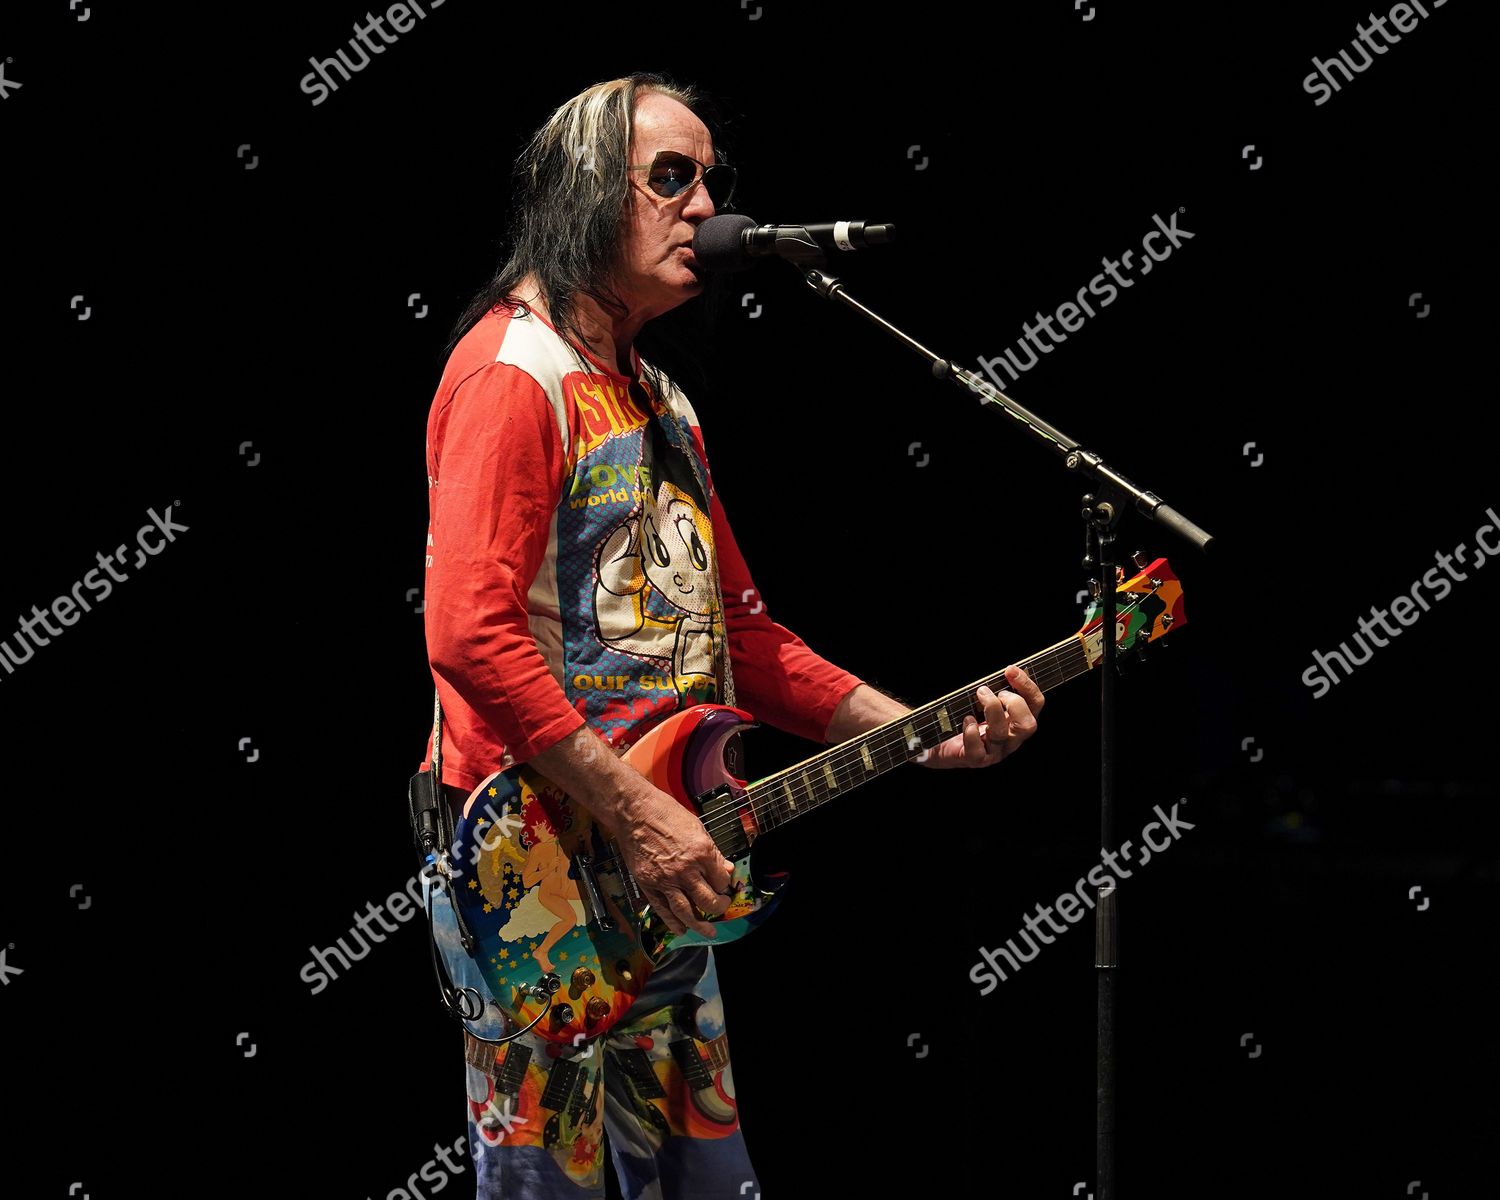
465	1004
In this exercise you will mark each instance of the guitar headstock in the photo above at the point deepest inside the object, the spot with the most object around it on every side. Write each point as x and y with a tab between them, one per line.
1148	606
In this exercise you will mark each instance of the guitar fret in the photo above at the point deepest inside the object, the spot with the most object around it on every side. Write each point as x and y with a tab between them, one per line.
787	805
805	786
892	749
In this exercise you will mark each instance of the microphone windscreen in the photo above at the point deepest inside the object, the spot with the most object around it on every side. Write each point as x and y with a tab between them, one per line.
718	244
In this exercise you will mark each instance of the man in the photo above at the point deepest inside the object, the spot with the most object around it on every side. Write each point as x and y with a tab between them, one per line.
583	581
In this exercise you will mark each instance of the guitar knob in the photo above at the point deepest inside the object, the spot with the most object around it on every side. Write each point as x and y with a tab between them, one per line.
623	968
583	979
562	1014
595	1011
546	986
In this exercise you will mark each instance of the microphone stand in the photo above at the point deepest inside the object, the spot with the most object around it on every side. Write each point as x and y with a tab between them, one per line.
1109	495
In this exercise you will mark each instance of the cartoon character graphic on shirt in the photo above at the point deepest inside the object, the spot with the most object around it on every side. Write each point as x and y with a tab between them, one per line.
660	559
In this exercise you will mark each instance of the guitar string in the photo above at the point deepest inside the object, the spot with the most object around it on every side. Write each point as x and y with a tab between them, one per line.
845	762
1044	662
841	760
1047	667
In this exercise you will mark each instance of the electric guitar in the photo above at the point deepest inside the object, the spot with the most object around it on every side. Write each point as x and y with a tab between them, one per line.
562	935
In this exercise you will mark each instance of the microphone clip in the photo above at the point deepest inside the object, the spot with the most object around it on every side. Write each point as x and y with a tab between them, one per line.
790	242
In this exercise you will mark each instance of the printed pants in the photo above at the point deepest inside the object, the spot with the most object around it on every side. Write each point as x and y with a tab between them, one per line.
659	1083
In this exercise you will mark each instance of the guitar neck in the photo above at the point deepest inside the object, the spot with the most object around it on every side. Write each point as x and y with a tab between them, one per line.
788	794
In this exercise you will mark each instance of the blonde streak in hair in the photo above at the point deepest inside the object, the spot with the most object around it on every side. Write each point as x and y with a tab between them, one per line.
580	123
584	121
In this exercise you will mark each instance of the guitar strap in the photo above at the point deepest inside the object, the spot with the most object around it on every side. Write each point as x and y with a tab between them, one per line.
705	495
721	649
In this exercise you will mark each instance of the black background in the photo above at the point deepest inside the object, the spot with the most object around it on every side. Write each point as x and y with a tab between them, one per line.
269	306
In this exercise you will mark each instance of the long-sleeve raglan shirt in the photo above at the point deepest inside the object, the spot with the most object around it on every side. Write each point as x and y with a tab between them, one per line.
580	566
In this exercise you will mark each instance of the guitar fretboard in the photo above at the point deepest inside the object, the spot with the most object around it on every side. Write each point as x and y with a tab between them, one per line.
780	798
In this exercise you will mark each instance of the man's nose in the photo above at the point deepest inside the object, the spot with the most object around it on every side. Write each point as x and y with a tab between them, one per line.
699	206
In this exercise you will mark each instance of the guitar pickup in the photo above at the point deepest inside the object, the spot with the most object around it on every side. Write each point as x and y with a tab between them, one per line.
729	835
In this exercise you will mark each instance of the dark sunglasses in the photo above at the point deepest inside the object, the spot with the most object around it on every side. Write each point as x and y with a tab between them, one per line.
670	174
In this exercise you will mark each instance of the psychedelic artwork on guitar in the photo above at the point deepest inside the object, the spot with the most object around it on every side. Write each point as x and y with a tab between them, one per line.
562	936
548	895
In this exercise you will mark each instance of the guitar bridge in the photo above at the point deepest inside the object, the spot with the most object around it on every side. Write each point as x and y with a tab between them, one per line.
599	921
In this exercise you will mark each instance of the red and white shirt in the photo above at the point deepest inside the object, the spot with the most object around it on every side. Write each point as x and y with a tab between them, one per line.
576	571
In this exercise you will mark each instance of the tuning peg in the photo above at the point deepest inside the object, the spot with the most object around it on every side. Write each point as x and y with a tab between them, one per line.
1139	559
1119	576
1094	588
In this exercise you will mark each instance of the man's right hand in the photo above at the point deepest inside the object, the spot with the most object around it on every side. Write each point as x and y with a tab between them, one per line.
673	860
666	849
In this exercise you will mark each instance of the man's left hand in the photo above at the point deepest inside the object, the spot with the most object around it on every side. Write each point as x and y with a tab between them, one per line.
1009	719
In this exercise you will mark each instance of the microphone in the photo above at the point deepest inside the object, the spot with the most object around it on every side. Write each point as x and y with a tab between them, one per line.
729	242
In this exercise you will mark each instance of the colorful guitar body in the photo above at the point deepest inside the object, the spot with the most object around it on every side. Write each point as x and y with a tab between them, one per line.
543	891
561	935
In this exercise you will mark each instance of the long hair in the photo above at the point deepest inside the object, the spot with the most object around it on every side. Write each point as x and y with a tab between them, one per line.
570	191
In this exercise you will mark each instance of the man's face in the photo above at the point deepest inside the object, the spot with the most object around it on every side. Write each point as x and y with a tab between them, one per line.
657	270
